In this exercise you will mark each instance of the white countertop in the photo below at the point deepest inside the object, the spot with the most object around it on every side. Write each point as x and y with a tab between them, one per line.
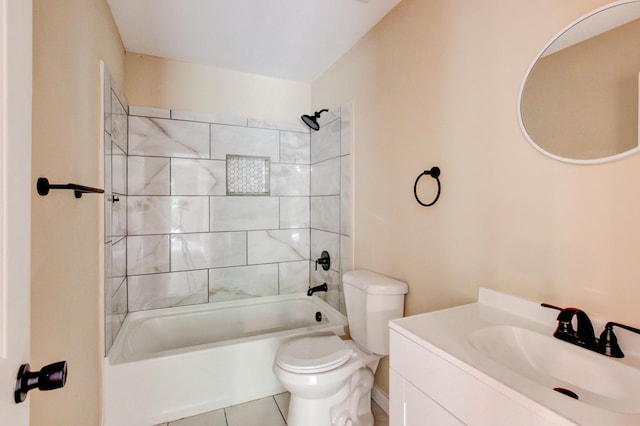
446	334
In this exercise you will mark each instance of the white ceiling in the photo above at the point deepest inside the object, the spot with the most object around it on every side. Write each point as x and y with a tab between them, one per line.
290	39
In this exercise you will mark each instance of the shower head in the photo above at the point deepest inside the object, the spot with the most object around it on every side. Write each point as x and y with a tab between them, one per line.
312	120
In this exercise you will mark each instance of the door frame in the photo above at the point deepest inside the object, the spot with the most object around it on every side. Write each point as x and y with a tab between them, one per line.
16	52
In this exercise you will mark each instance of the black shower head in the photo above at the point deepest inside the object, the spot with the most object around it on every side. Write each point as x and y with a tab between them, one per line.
312	120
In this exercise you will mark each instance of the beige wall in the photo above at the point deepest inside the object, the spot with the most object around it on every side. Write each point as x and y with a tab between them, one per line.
436	83
69	39
159	82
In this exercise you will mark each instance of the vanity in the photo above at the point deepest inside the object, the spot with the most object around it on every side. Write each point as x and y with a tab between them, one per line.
496	362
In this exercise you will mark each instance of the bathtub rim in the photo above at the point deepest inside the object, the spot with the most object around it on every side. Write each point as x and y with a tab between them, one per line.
337	324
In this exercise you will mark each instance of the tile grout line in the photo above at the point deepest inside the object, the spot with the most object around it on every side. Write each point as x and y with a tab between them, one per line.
279	409
226	420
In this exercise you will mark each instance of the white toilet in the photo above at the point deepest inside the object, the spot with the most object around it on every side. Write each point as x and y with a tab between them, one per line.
330	379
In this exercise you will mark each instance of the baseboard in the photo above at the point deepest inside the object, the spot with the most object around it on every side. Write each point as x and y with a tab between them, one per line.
381	398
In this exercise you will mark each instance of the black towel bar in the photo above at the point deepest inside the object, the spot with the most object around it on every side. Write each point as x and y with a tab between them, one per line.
44	186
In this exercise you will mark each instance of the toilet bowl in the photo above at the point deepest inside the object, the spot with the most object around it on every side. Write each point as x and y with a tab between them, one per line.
330	379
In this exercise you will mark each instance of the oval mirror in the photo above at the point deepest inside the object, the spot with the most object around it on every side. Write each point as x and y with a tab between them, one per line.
579	100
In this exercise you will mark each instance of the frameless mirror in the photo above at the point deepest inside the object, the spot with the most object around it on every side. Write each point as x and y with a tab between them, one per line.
579	100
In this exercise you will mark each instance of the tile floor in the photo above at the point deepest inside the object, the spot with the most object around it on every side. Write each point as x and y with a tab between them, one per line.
270	411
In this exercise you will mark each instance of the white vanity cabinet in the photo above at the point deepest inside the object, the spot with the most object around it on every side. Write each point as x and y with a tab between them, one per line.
426	389
429	386
408	402
410	406
495	362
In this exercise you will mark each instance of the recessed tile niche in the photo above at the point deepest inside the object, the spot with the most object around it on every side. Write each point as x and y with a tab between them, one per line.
247	175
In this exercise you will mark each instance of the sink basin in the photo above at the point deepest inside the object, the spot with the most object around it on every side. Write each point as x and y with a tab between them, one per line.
595	379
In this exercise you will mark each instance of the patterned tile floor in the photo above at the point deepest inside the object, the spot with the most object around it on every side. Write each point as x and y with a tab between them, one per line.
270	411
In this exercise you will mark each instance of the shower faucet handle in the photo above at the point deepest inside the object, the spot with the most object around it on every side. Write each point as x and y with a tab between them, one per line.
324	260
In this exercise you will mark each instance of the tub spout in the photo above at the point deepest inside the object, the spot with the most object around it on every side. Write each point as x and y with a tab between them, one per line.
322	287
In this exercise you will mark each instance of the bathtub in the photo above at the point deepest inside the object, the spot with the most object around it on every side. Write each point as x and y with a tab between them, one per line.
170	363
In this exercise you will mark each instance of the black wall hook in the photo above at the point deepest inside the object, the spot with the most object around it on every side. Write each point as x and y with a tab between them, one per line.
434	173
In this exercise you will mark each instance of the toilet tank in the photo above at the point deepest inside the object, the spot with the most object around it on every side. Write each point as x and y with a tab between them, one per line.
372	301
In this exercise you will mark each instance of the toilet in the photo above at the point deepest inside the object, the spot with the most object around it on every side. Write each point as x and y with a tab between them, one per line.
330	379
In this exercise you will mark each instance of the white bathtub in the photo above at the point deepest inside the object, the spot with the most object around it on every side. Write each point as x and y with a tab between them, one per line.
171	363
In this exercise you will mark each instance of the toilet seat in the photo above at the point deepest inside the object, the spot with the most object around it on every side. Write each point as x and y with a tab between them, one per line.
317	354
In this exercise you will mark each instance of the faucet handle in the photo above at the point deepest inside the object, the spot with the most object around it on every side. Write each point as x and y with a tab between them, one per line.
608	342
324	260
546	305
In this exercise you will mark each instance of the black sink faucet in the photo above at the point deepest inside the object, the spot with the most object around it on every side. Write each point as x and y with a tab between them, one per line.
584	336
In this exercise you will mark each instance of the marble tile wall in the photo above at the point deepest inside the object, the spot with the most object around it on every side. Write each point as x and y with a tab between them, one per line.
330	200
115	208
188	241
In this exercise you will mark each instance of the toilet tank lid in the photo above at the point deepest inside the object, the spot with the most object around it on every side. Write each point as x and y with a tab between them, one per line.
374	283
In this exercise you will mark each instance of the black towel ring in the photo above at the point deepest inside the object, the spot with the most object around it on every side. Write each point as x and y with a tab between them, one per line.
434	173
